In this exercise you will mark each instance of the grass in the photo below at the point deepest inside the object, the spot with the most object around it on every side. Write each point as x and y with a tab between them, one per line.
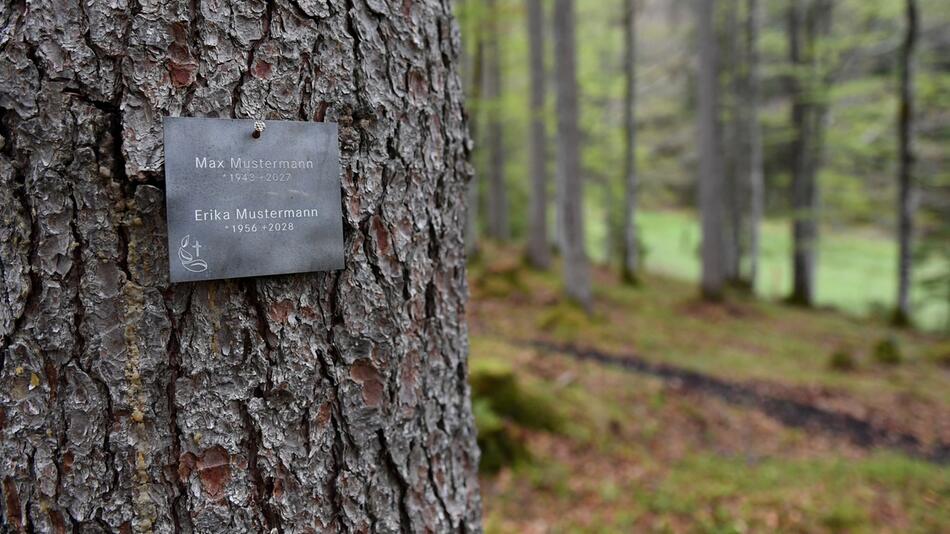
857	270
635	454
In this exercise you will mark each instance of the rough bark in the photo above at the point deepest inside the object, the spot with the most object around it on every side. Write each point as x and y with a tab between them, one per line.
309	403
630	253
571	182
808	22
498	226
539	254
710	172
907	196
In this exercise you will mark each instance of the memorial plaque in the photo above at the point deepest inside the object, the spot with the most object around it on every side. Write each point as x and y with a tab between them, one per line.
250	199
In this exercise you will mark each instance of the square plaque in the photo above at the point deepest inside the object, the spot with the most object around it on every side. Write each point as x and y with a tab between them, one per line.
240	205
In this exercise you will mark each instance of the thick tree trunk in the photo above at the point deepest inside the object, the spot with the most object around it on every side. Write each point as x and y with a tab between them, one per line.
907	198
318	402
571	196
630	253
539	253
807	24
498	226
710	171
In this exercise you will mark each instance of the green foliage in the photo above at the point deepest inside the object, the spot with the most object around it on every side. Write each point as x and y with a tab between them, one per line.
888	351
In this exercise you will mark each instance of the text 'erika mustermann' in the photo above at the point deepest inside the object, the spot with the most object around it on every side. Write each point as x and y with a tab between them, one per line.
245	214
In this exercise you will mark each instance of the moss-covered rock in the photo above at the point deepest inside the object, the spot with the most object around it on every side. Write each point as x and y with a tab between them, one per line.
503	405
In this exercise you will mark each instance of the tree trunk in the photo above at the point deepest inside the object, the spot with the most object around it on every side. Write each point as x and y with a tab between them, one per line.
630	252
317	402
907	201
474	106
806	26
497	194
711	189
539	254
755	162
733	132
571	196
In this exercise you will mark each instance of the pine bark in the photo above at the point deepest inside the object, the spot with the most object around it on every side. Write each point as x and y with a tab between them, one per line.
630	249
498	227
539	253
322	402
907	196
576	268
710	172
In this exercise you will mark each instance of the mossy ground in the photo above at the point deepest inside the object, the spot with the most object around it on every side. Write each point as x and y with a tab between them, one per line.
631	453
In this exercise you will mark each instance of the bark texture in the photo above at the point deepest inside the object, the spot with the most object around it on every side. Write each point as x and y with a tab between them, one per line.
571	182
322	402
710	172
539	254
907	197
809	21
630	250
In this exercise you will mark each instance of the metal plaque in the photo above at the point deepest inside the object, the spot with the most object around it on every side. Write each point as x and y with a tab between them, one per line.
251	198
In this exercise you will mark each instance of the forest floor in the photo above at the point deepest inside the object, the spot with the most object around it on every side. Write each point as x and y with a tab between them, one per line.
662	413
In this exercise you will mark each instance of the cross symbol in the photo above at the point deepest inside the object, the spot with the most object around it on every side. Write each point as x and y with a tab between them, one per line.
197	247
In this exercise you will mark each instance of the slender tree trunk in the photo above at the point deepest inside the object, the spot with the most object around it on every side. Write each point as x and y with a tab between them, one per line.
907	201
807	25
475	108
755	170
730	106
576	268
498	226
630	251
711	189
320	402
539	253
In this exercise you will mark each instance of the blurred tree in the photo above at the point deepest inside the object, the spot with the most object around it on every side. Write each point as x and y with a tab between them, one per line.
907	198
571	184
753	149
498	226
809	22
473	69
539	252
711	190
743	179
630	256
730	110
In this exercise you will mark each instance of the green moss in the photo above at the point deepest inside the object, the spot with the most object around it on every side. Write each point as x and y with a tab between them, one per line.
888	351
502	406
567	320
842	360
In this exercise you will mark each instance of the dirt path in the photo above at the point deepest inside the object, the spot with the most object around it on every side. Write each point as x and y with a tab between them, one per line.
790	412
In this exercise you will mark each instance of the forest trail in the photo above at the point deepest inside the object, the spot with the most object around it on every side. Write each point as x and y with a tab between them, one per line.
789	411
